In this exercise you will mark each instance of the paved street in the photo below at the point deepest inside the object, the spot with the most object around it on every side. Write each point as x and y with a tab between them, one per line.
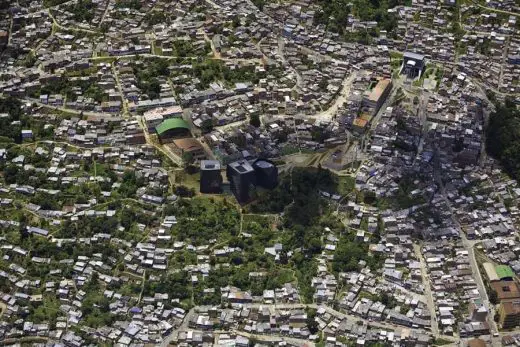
330	112
427	289
469	246
273	307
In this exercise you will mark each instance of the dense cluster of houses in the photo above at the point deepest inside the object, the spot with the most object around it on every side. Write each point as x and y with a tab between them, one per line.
221	64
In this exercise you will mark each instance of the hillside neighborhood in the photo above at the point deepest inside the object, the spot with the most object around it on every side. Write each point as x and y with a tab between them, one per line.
259	173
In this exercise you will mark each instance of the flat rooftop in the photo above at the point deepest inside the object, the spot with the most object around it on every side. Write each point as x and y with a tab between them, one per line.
263	164
412	55
210	165
379	89
241	166
188	144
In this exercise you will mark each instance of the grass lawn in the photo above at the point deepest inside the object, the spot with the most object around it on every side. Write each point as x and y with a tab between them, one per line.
346	184
284	275
158	51
441	342
396	55
188	180
97	169
287	150
260	219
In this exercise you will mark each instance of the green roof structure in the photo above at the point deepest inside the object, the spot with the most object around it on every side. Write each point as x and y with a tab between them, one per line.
504	271
171	123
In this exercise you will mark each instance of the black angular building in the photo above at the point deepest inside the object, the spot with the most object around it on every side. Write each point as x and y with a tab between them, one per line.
242	179
413	64
266	173
210	177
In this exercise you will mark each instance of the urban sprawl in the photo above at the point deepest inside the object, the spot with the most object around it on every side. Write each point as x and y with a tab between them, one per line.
259	173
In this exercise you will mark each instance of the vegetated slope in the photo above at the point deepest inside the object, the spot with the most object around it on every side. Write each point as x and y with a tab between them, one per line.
503	137
334	13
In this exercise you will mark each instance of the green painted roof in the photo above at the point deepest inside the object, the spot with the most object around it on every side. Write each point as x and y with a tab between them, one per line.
171	123
504	271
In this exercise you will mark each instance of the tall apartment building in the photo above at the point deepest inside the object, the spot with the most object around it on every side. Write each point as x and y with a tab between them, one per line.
509	311
242	178
210	177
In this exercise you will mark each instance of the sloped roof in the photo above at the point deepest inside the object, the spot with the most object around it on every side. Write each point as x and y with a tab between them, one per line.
504	271
171	123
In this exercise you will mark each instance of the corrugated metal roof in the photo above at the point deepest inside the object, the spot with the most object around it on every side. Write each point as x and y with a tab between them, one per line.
171	123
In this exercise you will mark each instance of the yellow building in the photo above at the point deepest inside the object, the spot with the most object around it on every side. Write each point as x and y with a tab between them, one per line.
509	312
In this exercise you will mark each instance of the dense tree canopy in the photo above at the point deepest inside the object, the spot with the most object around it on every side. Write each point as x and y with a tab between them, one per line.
212	70
83	10
200	220
305	217
147	75
9	128
174	284
335	13
503	133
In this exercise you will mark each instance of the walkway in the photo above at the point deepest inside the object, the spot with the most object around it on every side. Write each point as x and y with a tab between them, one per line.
427	289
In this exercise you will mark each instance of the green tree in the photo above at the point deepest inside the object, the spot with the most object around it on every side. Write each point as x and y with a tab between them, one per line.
187	159
255	120
502	137
311	320
11	173
206	126
493	297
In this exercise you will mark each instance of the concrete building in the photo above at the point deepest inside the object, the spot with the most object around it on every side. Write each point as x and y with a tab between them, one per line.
377	96
190	146
509	312
27	134
506	290
156	116
491	273
152	120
